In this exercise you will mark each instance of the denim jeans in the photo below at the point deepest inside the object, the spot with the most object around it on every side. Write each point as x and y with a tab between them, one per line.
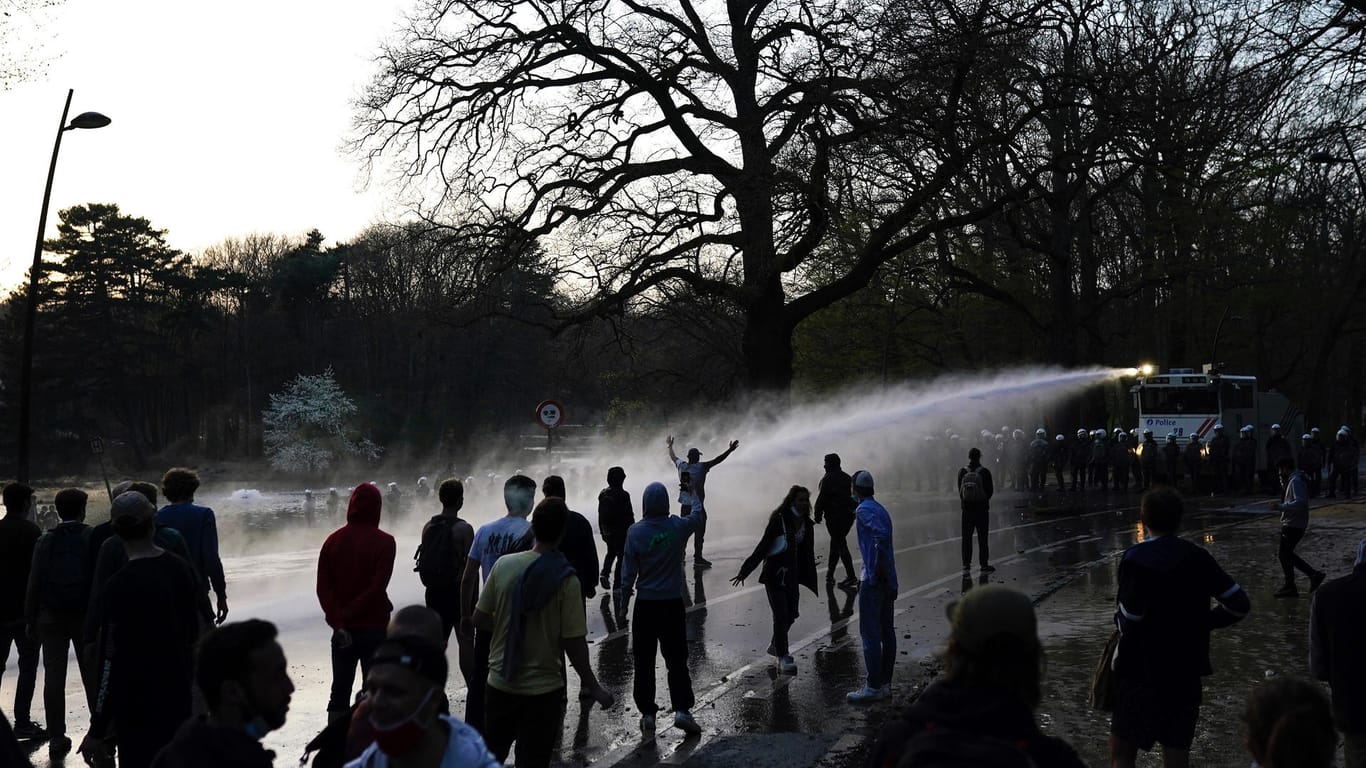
877	629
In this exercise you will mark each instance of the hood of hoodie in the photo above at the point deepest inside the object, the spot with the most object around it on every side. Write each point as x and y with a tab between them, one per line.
364	507
984	710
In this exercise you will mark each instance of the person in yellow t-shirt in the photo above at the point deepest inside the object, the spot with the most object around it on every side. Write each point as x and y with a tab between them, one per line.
533	606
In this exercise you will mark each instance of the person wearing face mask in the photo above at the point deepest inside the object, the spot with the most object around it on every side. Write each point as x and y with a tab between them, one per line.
406	682
788	554
245	679
148	619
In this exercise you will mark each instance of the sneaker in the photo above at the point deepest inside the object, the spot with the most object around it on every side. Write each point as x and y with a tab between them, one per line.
1316	580
1287	591
27	729
683	721
988	569
699	561
787	665
59	747
850	582
647	722
864	695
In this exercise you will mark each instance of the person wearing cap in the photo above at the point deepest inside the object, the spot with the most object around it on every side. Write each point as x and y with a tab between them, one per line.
1058	455
1337	624
533	608
981	711
1038	460
975	489
615	518
1245	460
1192	456
877	590
242	672
406	685
692	489
788	554
1171	459
654	569
148	619
1081	456
1164	620
836	505
18	538
1309	458
1277	448
1294	509
1220	453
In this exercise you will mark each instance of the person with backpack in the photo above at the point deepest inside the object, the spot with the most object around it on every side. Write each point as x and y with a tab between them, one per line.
980	714
974	494
615	517
18	537
58	593
440	563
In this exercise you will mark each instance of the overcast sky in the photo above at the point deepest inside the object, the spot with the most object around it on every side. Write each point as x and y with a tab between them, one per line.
227	119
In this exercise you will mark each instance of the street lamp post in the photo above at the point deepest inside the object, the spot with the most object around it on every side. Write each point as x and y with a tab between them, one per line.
83	120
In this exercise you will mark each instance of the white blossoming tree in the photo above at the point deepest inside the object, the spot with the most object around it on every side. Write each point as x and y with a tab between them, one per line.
308	426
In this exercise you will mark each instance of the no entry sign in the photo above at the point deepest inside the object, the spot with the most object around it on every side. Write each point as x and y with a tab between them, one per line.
550	414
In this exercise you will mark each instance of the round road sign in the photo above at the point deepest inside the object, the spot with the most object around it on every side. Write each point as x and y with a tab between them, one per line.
550	414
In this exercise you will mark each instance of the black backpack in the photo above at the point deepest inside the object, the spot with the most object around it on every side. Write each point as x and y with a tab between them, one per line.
941	747
66	589
437	562
972	487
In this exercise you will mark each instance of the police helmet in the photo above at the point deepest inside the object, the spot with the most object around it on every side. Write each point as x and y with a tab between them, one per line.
1218	427
1147	433
1246	428
1059	438
1171	437
1082	433
1195	438
1276	426
1041	432
1306	436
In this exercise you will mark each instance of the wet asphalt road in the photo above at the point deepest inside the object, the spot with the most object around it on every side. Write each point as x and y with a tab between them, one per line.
1060	551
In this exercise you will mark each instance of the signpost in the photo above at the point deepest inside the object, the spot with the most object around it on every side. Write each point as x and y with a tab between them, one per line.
97	448
550	415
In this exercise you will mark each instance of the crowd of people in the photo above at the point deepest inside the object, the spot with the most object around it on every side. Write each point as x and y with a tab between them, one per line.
168	682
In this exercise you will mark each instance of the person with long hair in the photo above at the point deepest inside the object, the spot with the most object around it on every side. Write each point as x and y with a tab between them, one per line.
788	554
1289	723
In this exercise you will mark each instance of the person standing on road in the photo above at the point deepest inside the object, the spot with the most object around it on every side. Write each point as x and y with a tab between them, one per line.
788	553
615	518
1337	622
1081	456
1343	468
1059	456
1220	455
18	537
1164	620
974	495
1294	509
692	489
1277	448
354	568
508	534
1171	456
441	558
1100	459
577	544
653	566
1309	459
836	505
198	526
877	590
1245	460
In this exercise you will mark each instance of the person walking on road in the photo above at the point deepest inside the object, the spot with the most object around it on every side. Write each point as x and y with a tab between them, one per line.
877	591
692	489
654	568
18	537
974	495
1164	620
836	505
1294	509
615	518
198	526
1337	622
354	568
788	554
441	558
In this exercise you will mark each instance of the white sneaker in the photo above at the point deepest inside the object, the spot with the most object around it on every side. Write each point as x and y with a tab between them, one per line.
647	722
787	665
683	721
865	695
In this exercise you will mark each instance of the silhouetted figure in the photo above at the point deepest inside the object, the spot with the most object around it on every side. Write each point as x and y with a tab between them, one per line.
615	517
1289	725
1294	509
1337	622
877	590
974	496
18	536
788	555
692	489
578	545
440	563
836	505
199	527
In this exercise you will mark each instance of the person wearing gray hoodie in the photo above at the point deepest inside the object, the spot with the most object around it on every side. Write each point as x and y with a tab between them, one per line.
652	564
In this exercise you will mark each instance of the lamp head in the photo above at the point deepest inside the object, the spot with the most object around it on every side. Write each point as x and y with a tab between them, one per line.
89	120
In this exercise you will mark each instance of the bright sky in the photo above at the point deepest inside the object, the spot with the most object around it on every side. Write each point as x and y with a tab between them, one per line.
227	119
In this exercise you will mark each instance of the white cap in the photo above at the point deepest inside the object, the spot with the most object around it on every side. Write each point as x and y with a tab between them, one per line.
1275	426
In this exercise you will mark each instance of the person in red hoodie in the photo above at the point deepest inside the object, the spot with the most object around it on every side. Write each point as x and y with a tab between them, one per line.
353	578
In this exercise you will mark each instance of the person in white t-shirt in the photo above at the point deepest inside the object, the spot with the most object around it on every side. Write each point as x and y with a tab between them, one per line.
692	489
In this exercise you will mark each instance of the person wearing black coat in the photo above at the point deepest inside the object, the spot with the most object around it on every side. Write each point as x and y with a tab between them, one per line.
788	554
615	516
836	505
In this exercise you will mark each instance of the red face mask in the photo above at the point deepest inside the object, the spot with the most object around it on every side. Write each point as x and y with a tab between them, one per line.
395	739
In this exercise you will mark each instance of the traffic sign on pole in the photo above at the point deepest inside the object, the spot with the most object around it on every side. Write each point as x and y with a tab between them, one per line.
549	414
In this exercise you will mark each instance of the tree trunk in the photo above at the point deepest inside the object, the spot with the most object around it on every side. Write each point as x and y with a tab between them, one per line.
767	340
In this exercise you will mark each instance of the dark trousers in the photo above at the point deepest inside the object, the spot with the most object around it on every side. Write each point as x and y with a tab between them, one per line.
698	535
1220	478
58	634
533	723
661	623
344	661
1057	475
838	527
1078	477
878	631
143	732
1099	472
1315	482
1121	472
1290	538
13	632
477	682
446	602
615	547
783	599
975	520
